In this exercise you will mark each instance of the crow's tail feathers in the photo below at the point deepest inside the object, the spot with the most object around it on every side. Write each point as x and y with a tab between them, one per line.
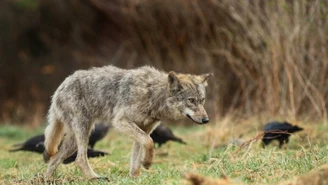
179	140
15	150
16	147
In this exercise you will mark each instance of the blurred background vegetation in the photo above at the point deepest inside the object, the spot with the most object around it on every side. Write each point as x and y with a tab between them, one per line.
268	57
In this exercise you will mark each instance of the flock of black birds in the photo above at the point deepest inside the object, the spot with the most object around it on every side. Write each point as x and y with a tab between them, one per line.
35	144
162	134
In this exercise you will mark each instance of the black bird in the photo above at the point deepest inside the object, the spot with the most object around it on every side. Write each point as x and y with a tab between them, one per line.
279	131
34	144
162	134
97	134
91	154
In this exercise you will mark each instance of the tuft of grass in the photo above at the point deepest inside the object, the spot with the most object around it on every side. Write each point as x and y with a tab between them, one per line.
207	153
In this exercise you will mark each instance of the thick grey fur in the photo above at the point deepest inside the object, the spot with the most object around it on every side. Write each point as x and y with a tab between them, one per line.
132	101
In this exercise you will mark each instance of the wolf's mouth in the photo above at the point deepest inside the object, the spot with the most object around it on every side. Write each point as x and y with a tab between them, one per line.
194	120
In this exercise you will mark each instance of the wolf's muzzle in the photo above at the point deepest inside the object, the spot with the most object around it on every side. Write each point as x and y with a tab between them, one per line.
203	121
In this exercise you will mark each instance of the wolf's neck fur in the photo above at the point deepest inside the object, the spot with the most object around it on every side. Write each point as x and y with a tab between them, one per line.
160	92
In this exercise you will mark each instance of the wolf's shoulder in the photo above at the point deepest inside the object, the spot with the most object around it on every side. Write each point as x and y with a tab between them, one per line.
106	69
148	70
111	70
98	71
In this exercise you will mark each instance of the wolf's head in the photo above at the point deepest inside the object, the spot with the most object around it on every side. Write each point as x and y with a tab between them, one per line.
187	96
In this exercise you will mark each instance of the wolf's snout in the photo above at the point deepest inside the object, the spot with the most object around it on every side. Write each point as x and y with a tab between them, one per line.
198	120
205	120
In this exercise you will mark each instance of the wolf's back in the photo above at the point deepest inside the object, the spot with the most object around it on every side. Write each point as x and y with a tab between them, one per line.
95	93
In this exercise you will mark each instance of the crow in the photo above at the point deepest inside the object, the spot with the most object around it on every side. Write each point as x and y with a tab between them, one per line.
90	153
162	134
279	131
34	144
97	134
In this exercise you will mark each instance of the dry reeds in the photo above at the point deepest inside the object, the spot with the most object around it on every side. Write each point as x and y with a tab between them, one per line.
268	57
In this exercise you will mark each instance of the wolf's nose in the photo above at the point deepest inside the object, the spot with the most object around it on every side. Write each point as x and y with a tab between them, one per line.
205	120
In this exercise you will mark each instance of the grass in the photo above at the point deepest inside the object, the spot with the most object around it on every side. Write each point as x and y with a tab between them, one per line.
207	153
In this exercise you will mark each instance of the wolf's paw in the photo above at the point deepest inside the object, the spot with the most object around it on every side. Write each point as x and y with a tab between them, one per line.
47	176
46	156
135	173
146	164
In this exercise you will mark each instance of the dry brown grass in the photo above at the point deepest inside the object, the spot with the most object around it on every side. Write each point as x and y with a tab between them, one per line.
196	179
207	158
316	177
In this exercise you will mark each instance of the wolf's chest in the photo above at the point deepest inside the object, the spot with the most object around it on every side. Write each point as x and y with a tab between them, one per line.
149	124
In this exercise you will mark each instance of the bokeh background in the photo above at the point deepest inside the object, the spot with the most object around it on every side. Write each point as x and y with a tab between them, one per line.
268	57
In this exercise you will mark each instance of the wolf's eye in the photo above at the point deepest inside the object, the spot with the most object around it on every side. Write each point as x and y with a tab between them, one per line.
192	100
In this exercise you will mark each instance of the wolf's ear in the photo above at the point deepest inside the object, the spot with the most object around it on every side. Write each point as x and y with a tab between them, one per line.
174	81
205	77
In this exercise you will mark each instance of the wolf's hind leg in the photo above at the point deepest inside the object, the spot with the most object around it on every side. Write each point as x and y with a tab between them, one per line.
82	131
139	136
67	148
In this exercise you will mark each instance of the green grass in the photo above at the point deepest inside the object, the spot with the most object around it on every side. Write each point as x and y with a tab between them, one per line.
249	165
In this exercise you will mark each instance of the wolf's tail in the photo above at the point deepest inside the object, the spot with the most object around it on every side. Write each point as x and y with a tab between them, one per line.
53	136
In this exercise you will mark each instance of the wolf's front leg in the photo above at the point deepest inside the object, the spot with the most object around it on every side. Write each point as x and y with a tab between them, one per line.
148	154
135	162
145	143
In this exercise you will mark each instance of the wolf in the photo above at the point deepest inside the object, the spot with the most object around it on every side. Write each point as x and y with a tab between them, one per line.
132	101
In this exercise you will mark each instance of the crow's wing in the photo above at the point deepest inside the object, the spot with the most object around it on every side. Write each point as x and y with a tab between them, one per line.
277	126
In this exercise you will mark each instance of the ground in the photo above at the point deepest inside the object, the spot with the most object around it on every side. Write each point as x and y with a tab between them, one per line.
207	153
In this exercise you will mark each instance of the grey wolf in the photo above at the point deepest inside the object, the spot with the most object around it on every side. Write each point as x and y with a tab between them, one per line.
162	134
278	131
132	101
